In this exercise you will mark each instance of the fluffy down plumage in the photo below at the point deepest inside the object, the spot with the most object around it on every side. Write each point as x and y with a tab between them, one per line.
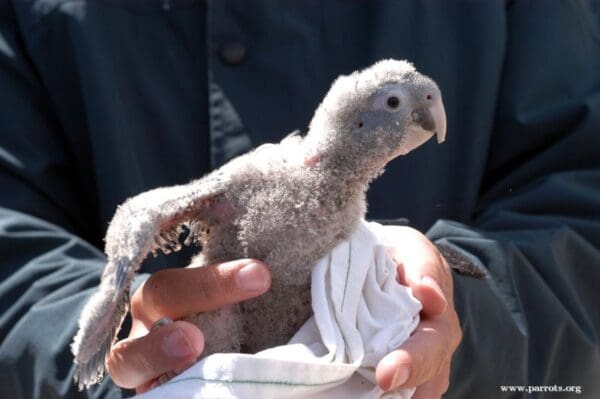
287	204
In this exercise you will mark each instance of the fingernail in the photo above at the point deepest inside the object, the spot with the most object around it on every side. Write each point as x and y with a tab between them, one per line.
400	376
252	277
177	344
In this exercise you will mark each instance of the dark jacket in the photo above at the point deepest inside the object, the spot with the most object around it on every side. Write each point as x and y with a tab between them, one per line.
103	99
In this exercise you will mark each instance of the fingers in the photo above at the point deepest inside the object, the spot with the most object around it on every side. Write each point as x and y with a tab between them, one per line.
176	293
134	362
418	360
431	296
147	357
421	267
423	361
434	388
421	358
418	258
427	291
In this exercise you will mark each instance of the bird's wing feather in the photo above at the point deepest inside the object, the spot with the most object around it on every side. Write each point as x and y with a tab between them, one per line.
145	223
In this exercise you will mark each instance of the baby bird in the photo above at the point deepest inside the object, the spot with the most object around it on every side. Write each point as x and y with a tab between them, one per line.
287	204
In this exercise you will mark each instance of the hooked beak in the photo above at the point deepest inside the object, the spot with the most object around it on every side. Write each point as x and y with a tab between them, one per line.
432	119
439	117
427	119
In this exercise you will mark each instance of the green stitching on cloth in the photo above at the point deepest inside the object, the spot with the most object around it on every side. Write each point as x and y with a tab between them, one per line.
288	383
285	383
347	274
344	299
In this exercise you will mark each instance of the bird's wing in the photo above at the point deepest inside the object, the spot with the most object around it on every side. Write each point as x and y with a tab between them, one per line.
145	223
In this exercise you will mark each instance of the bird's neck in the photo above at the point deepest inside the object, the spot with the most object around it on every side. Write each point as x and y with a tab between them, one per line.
342	167
339	187
340	162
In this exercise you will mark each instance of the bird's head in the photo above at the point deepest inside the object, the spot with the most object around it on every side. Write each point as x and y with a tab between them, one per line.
374	115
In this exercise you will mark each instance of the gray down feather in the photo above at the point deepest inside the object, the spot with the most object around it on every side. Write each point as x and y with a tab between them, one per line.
287	204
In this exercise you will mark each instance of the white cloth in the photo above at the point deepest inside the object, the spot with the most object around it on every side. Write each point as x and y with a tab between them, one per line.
361	314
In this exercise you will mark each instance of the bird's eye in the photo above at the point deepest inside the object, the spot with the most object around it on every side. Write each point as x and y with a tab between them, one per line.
390	98
393	102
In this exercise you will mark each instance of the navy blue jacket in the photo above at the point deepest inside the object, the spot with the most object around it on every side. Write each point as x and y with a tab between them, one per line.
103	99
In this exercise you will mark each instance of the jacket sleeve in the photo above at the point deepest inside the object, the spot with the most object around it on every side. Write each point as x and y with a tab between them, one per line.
47	270
535	320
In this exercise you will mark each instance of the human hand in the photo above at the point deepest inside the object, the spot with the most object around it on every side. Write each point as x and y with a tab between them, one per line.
423	361
147	355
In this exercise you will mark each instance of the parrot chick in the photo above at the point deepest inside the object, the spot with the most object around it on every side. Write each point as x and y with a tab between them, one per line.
287	204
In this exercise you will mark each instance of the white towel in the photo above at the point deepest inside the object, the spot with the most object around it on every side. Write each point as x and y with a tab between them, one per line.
361	314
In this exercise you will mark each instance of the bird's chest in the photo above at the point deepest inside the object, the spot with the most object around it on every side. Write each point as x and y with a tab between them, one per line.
293	230
293	223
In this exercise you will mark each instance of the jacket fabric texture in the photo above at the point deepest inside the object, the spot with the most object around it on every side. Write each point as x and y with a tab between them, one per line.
101	100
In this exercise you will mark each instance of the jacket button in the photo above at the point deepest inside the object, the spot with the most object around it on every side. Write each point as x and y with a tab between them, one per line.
233	52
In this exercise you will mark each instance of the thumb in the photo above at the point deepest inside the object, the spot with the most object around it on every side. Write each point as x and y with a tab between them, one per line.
135	361
420	358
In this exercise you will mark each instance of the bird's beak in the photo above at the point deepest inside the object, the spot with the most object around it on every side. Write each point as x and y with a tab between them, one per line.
432	119
439	117
427	121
